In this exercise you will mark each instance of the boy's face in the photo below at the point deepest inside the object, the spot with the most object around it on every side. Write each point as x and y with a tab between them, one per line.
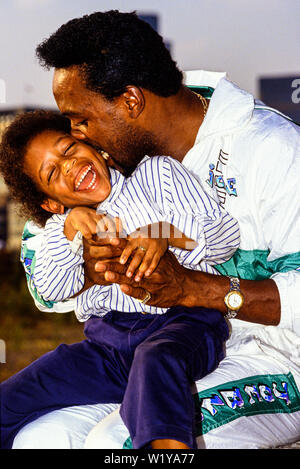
70	173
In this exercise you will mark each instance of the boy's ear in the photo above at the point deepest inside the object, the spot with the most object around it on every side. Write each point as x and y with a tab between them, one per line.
52	206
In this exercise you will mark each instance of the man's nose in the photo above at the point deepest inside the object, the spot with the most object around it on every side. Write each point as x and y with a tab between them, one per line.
76	133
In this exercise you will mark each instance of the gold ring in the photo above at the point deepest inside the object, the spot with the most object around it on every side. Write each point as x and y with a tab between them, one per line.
146	298
142	248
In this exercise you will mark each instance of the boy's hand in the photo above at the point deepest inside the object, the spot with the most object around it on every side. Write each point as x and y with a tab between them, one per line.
83	219
146	252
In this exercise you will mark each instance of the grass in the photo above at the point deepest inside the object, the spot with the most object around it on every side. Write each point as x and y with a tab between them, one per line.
25	332
25	341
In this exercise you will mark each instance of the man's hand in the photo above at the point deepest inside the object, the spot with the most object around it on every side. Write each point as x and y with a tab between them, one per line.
171	284
103	250
166	284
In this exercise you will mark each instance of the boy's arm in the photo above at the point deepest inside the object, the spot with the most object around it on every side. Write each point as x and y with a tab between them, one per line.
198	217
179	240
52	258
56	271
31	244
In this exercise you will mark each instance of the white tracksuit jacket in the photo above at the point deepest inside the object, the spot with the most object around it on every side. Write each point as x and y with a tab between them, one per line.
249	157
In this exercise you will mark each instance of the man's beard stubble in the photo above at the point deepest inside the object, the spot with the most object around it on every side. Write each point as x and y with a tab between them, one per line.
132	147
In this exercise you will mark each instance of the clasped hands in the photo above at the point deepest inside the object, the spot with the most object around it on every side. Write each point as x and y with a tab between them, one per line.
137	263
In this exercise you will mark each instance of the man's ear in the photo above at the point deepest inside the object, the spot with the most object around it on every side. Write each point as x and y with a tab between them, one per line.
134	101
52	206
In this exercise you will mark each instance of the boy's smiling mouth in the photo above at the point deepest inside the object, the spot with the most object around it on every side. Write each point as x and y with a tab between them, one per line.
86	178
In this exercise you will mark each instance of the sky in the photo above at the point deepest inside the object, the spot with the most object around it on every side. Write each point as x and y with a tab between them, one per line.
247	39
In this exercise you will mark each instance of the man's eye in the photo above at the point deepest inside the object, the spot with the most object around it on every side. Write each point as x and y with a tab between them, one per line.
83	122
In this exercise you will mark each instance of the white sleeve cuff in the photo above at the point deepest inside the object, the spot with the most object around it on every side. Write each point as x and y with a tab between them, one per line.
288	285
76	244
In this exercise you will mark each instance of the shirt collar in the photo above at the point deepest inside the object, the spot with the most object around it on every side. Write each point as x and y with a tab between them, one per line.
117	181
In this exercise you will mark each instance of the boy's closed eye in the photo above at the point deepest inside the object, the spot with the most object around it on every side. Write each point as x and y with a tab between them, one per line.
69	147
50	175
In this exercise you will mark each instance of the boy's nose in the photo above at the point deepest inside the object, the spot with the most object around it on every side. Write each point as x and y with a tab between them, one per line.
67	165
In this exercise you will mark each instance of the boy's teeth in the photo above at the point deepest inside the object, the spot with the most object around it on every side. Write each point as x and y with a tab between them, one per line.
92	183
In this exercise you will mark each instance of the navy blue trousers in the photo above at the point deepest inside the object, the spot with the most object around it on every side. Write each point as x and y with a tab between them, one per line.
146	362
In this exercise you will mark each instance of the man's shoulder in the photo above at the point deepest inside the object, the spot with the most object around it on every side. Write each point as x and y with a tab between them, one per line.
272	123
268	137
266	154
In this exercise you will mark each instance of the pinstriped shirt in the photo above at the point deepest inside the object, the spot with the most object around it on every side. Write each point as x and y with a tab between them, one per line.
159	190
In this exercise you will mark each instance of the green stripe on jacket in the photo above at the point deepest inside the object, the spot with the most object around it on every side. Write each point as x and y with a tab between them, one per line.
253	265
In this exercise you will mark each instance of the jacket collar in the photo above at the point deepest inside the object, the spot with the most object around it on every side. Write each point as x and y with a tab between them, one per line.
230	107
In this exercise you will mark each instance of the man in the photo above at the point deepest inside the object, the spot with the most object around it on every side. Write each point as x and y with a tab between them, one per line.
115	80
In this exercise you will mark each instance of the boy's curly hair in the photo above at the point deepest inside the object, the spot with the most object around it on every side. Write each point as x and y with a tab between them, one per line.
113	50
13	148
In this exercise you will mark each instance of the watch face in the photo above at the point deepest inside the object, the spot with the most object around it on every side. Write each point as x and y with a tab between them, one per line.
235	300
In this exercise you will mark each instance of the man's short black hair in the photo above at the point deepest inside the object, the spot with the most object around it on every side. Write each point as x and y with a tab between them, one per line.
13	146
113	50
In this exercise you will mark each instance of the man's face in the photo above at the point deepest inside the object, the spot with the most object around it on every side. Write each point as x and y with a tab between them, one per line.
100	122
66	170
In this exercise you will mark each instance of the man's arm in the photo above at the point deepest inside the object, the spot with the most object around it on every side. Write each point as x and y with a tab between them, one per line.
171	284
261	298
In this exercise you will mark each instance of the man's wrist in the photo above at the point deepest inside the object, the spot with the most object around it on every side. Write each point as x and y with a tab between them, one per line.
262	300
191	289
206	290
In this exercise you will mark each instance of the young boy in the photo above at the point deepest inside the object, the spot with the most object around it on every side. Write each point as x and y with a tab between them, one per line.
136	354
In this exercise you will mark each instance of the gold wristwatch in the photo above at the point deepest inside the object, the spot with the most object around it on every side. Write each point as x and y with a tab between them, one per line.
234	299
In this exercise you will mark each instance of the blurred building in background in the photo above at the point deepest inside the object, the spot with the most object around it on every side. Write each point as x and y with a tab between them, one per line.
151	19
282	93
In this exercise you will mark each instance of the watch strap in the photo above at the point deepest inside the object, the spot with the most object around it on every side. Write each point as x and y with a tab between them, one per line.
234	283
234	286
